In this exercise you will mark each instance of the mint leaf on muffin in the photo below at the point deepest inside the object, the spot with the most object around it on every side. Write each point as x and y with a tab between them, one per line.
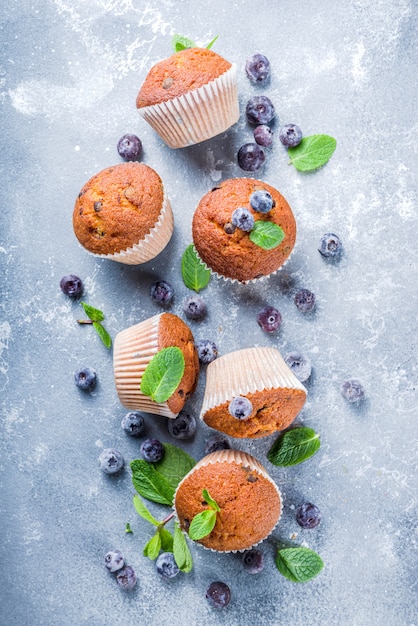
298	564
267	235
163	374
96	316
294	446
182	43
195	274
312	152
204	522
210	44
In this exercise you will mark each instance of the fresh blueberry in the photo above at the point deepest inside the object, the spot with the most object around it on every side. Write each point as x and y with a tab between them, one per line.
216	442
269	319
130	147
261	201
183	426
330	246
152	450
352	390
166	565
194	308
126	578
257	69
259	110
85	378
114	560
206	350
111	461
240	408
251	157
290	135
133	424
299	364
305	300
263	135
243	219
71	285
161	292
308	515
253	561
218	594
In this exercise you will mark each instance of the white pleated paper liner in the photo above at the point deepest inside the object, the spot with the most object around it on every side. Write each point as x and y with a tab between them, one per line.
197	115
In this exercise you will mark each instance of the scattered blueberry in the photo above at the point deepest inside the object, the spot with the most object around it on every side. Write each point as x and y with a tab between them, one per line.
194	308
299	364
152	450
85	378
183	426
126	578
253	561
269	319
114	560
261	201
259	110
166	565
243	218
218	594
305	300
71	285
161	292
206	350
290	135
308	515
133	424
111	461
330	246
352	390
240	408
250	157
216	442
263	135
130	147
257	68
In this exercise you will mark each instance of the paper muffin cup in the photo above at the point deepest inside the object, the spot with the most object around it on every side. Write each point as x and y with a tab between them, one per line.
198	114
133	350
236	457
153	242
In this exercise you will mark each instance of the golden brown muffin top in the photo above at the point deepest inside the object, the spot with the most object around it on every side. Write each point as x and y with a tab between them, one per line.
182	72
234	255
117	207
172	331
249	502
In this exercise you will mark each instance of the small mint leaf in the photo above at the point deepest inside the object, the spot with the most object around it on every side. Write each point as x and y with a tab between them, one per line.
202	524
267	235
152	547
182	43
94	314
210	44
181	551
150	483
298	564
294	446
166	539
209	500
142	510
103	334
163	374
312	152
128	528
195	275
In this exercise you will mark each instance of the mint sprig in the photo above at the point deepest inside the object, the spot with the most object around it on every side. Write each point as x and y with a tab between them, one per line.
96	316
267	235
204	522
312	152
163	374
195	275
183	43
298	564
294	446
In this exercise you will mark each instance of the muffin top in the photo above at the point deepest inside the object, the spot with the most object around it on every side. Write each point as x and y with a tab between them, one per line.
182	72
117	207
249	502
228	250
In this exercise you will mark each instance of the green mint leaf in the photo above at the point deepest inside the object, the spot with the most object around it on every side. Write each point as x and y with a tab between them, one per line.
294	446
195	275
182	554
142	510
103	334
182	43
163	374
150	483
267	235
94	314
174	465
210	44
298	564
202	524
152	547
166	539
312	152
128	528
209	500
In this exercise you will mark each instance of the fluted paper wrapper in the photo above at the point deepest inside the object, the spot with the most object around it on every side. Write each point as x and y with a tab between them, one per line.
152	244
197	115
133	350
246	371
